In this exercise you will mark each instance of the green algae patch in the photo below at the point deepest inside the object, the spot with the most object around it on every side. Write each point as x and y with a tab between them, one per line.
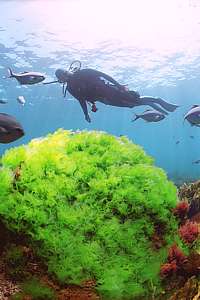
35	290
91	204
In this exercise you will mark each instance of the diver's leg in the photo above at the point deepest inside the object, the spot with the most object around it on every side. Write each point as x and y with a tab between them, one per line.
85	110
158	108
110	95
147	100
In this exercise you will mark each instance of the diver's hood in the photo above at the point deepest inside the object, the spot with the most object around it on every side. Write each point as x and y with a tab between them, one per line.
62	75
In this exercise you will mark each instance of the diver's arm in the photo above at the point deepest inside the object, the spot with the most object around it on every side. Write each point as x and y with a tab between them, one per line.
85	110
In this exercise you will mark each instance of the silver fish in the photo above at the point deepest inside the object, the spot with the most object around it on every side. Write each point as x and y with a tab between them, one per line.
10	129
196	161
27	77
21	100
3	101
150	115
193	116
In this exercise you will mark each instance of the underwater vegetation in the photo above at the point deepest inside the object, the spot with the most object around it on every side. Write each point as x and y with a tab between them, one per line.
191	194
179	268
34	289
181	210
189	232
94	207
15	263
175	260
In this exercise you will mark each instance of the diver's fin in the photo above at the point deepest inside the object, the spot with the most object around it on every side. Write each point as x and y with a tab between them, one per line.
148	100
166	105
158	108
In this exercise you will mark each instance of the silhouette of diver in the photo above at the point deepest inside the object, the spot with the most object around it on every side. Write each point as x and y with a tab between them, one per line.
88	85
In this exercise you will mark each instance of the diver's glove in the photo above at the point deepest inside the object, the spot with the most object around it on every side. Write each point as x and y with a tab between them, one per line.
94	108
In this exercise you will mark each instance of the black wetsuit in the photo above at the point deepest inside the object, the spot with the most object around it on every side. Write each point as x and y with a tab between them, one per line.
91	85
88	85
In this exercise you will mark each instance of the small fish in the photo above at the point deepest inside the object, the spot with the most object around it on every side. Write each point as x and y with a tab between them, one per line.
196	161
193	116
21	100
191	136
3	101
177	142
150	115
10	129
27	77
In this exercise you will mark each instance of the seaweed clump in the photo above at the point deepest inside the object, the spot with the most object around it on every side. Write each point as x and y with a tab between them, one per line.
191	194
35	290
181	210
189	232
180	267
15	262
175	261
91	205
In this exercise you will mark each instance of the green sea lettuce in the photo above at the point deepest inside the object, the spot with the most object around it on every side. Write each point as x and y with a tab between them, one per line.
90	203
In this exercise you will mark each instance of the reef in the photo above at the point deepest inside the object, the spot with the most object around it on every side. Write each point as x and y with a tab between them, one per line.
191	194
181	272
94	208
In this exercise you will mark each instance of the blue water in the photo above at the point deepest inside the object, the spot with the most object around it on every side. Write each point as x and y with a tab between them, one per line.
153	46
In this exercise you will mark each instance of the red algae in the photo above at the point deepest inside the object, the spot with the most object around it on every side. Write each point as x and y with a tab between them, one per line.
189	232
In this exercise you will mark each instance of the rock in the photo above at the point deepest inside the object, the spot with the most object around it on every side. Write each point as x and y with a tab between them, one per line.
190	291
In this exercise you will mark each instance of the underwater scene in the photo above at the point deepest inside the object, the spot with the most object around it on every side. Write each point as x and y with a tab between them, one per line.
99	149
137	45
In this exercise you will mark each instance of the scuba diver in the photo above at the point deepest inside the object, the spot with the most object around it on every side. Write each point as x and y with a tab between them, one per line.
89	86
